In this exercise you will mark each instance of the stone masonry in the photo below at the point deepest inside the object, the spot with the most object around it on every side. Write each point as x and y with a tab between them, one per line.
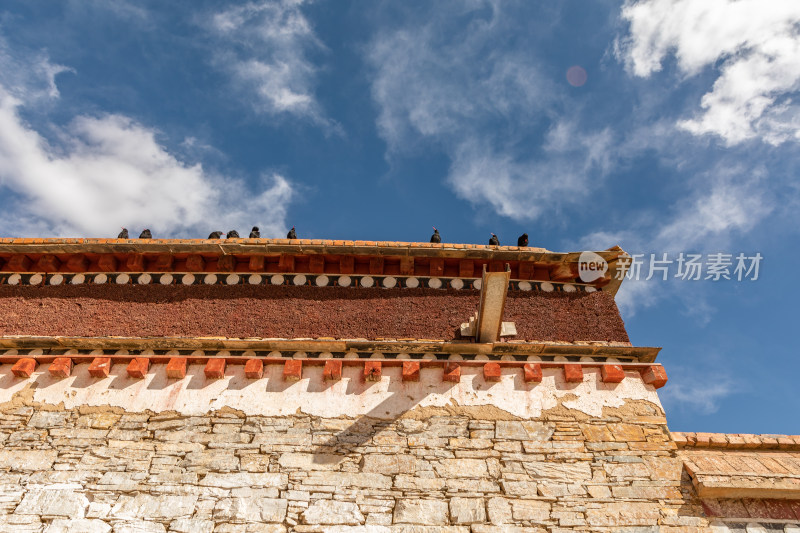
433	469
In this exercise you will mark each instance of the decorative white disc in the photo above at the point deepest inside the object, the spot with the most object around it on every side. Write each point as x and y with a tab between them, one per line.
122	279
144	279
524	286
299	279
322	281
276	279
210	279
457	283
14	279
187	279
254	279
56	279
367	281
547	286
100	278
435	283
412	283
389	282
166	279
344	281
232	279
77	279
36	279
569	288
477	284
591	289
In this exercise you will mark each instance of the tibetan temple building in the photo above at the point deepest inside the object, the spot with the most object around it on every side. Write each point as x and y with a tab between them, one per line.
260	385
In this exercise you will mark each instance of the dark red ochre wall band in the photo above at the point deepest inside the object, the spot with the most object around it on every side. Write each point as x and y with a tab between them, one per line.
243	311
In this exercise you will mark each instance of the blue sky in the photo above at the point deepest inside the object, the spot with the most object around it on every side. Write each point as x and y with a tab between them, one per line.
376	120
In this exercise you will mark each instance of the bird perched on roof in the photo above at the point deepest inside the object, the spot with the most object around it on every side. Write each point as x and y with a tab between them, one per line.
123	234
215	235
436	237
232	234
522	240
494	241
292	234
146	234
255	233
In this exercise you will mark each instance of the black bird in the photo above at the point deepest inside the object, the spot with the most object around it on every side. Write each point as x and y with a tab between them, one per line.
494	241
146	234
123	234
215	235
436	237
255	233
291	234
522	240
233	234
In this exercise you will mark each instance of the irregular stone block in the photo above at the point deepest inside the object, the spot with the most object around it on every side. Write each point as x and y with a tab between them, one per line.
469	468
467	510
27	460
250	509
245	479
54	502
191	525
155	507
333	512
421	511
84	525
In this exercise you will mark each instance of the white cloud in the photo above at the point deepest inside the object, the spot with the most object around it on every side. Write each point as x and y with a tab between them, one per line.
101	173
729	202
753	44
693	389
488	106
263	45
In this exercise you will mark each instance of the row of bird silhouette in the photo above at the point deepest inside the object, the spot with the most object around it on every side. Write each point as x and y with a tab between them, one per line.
255	233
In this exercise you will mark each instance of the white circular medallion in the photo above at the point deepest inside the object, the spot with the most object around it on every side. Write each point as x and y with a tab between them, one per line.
56	279
367	281
351	355
166	279
14	279
210	279
254	279
122	279
77	279
591	289
187	279
299	279
36	279
344	281
546	286
276	279
429	356
412	283
457	283
322	281
569	288
435	283
100	279
477	284
389	282
524	286
144	279
232	279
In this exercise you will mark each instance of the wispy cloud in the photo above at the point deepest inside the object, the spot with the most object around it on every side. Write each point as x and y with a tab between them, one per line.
263	47
694	390
752	45
462	88
102	172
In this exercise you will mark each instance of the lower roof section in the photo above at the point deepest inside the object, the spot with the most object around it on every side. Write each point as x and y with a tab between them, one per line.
244	311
